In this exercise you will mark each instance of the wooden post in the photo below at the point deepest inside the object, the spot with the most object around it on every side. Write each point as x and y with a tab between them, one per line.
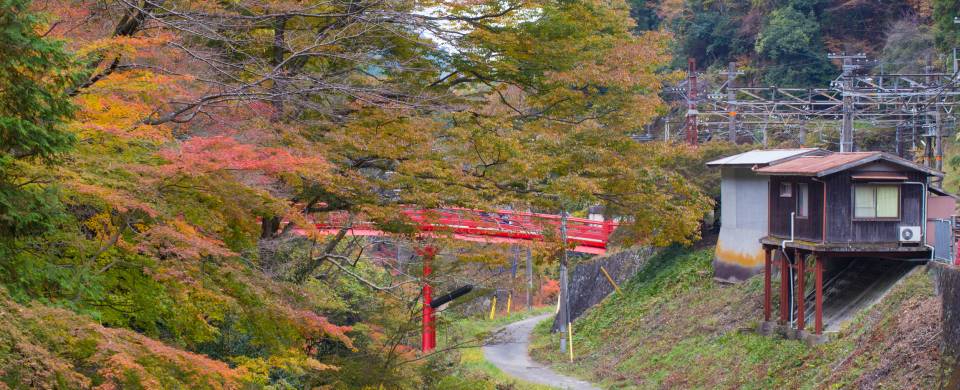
609	279
819	294
767	303
784	284
801	297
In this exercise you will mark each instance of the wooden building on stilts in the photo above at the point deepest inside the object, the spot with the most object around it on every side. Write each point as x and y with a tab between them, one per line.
826	208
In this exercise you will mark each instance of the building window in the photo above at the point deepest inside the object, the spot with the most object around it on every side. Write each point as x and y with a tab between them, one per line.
876	201
786	190
803	200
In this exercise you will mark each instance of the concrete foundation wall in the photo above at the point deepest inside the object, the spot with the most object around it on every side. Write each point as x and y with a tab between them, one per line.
743	221
949	286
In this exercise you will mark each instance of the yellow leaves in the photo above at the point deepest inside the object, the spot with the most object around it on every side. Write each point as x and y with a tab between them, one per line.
118	104
487	255
629	63
101	224
121	45
257	370
115	199
179	239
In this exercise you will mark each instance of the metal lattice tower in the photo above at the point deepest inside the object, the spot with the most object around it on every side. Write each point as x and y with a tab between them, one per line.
919	106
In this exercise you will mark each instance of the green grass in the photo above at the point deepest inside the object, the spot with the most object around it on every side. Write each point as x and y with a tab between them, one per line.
470	370
675	327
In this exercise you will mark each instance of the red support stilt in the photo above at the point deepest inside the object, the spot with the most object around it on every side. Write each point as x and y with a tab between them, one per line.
429	339
784	284
767	299
819	293
801	297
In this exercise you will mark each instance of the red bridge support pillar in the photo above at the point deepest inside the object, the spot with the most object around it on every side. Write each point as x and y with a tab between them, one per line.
429	339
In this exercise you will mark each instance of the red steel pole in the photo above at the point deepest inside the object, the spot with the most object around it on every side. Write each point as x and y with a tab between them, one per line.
784	284
767	293
691	130
429	339
801	297
819	287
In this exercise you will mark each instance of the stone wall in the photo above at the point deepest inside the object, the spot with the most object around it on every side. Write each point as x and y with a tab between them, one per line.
588	285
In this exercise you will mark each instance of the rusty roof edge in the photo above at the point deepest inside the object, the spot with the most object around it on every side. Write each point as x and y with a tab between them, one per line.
880	156
868	158
852	164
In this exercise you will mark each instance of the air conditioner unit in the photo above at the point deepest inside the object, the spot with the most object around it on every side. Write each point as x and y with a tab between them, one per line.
910	234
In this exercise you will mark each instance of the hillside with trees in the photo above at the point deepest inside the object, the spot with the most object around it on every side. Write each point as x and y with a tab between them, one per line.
163	164
786	43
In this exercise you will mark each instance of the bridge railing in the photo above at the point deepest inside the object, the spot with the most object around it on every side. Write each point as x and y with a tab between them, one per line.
499	223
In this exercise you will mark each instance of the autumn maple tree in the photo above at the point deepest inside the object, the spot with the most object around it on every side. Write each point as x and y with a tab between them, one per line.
204	134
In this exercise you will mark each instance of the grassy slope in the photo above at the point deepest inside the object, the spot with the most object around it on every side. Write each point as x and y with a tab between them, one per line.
470	370
674	327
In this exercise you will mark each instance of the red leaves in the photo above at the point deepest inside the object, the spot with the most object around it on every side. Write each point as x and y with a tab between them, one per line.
204	155
316	327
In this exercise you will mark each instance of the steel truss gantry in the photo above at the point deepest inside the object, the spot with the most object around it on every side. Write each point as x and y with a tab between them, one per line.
919	107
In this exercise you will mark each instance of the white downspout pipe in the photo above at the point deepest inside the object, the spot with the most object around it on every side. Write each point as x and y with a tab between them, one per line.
783	244
783	249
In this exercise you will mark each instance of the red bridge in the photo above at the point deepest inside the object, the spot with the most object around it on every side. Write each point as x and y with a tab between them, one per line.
501	226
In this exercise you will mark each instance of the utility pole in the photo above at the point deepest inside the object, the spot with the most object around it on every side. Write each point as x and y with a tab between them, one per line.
930	133
846	129
564	313
732	102
691	129
898	139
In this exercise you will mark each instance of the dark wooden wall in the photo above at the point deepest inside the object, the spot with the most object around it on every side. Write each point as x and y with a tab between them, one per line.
840	224
809	228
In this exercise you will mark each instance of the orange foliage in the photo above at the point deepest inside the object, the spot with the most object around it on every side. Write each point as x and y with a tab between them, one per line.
121	349
548	292
117	199
316	327
202	155
179	239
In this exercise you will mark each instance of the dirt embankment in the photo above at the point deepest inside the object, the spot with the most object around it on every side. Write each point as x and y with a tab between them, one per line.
674	327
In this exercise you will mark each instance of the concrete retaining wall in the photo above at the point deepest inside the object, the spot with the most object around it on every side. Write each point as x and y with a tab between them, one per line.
949	287
588	285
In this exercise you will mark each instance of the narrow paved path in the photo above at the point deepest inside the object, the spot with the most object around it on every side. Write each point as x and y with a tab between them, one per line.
509	353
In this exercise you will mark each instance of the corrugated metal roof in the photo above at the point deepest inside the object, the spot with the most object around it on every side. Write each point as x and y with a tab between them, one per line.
811	165
761	157
835	162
